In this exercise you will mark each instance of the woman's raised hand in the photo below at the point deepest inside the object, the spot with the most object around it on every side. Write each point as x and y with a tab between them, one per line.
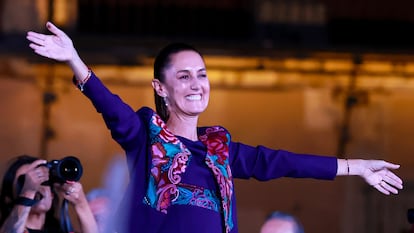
57	46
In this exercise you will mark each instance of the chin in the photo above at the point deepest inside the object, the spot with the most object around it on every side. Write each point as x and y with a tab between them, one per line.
198	111
43	205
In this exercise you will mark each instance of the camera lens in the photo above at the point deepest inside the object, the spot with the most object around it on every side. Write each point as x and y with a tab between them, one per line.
70	169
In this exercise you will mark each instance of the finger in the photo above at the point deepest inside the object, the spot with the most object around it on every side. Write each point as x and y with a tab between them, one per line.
37	47
392	176
35	36
55	30
37	163
391	165
42	173
41	50
69	191
381	189
394	180
67	186
37	173
388	187
36	40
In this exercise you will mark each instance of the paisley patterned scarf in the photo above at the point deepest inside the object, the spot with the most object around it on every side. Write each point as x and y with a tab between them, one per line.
170	159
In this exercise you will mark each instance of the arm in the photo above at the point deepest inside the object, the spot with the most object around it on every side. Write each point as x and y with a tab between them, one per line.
16	221
119	117
73	192
34	177
375	172
263	163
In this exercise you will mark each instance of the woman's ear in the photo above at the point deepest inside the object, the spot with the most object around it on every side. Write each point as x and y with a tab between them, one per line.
158	87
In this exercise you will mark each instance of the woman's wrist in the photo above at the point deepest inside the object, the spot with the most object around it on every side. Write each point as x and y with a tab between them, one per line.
79	68
355	167
349	167
81	204
80	83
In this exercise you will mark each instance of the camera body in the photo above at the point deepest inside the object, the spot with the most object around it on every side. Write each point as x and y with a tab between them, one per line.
67	169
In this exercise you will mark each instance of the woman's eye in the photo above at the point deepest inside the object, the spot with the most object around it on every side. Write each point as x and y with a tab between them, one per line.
202	75
184	77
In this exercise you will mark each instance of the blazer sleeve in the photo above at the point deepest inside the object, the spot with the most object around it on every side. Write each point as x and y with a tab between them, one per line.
123	122
263	163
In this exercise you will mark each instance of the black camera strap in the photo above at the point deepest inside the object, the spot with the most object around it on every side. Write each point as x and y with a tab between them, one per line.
25	201
65	223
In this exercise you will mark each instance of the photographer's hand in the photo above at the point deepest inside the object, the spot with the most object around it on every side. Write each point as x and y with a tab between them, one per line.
35	175
73	192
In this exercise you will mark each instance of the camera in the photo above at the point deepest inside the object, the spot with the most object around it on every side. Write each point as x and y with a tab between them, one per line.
67	169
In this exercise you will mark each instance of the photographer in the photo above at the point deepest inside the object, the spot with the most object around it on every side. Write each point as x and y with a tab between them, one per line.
29	200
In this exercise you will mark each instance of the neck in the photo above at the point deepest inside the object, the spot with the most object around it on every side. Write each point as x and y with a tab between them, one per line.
184	127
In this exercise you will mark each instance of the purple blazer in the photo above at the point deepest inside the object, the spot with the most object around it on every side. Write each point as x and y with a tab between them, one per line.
188	213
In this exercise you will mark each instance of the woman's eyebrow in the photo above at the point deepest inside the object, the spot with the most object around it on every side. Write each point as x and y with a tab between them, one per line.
188	70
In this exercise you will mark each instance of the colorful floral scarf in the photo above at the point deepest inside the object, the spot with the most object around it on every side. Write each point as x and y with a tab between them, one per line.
170	159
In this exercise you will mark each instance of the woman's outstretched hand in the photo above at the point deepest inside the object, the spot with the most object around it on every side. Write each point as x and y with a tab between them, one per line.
57	46
377	174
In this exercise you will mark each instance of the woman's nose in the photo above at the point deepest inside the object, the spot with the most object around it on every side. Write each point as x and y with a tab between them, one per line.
195	83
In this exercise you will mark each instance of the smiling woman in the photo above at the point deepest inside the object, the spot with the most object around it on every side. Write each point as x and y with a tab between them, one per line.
181	174
181	89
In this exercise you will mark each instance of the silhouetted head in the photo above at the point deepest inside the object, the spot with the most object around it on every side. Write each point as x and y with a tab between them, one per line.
280	222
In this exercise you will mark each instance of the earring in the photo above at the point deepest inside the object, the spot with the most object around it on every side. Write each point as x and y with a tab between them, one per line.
165	101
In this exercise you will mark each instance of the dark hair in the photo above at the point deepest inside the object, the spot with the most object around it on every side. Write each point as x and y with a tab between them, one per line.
162	61
298	228
7	197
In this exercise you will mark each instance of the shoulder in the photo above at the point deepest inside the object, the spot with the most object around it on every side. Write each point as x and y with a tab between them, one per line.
146	112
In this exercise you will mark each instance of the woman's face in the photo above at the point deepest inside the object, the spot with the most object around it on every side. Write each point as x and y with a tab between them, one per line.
186	84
